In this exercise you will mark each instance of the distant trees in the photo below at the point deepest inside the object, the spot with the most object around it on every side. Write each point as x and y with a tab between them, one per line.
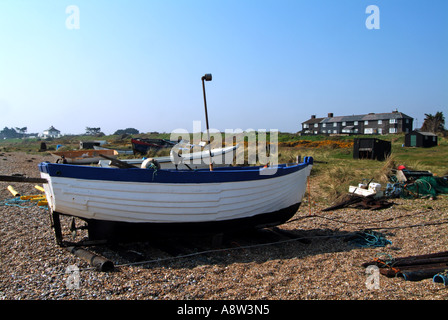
434	123
126	131
10	133
94	132
22	131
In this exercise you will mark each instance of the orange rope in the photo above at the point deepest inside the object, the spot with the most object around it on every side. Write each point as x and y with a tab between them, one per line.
396	270
309	193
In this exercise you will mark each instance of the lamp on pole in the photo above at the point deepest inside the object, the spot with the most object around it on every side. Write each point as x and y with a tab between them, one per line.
207	77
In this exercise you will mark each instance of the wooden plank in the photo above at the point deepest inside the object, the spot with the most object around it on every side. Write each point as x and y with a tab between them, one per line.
118	163
22	179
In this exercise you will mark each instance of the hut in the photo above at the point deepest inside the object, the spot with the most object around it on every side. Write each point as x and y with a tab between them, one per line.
91	144
420	139
371	148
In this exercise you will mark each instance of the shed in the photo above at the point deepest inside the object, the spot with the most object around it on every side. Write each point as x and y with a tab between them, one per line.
420	139
88	144
371	148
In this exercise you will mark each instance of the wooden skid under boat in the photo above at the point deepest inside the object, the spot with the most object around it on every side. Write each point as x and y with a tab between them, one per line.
136	201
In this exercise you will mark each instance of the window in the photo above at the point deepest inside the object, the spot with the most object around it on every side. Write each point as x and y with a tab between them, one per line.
324	125
335	124
366	122
407	120
316	125
368	131
344	123
323	131
393	121
305	126
335	131
380	121
380	131
392	130
355	123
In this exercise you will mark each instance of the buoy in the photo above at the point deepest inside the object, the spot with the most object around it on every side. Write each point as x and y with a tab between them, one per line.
33	197
14	192
39	188
42	203
150	163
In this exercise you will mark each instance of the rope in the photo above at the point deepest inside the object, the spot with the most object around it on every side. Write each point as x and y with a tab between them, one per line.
309	193
226	249
386	263
153	167
389	257
370	239
355	223
17	202
366	238
375	243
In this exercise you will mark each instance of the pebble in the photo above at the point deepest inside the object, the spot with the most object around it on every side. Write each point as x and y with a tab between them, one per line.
33	267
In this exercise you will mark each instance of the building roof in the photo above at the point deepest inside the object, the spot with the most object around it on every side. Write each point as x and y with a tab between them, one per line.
362	117
425	133
314	120
52	129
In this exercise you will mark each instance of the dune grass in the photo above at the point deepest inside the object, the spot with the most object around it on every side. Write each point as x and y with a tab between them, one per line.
334	169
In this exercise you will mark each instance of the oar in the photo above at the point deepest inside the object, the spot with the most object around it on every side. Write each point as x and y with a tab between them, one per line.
118	163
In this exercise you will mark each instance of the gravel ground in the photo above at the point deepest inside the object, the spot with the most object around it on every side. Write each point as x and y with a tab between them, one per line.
326	267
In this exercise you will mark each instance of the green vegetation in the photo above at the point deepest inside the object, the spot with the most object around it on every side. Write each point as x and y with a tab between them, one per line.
334	170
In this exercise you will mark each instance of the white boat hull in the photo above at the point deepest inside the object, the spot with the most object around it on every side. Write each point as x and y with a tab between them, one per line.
224	205
168	203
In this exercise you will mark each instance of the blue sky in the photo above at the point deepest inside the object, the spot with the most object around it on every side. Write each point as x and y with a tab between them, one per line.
274	63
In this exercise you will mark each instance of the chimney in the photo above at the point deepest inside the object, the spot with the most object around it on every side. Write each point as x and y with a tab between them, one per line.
313	116
330	115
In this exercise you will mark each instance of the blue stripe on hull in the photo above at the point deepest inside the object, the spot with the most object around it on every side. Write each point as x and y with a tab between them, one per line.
222	174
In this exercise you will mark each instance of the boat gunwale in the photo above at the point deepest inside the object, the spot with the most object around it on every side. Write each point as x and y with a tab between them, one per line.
218	175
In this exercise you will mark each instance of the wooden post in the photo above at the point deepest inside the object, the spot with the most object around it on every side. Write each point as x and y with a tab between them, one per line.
57	227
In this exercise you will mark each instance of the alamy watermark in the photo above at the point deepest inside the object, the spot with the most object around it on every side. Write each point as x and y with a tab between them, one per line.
373	20
249	147
373	277
73	20
73	279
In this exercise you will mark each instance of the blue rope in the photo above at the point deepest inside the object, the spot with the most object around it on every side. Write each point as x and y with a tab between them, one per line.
370	238
17	202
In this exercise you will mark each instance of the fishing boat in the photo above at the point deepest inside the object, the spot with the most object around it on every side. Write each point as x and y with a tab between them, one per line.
142	146
147	201
118	150
87	156
138	203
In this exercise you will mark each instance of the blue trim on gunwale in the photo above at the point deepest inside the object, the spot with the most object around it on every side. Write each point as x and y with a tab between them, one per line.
222	174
